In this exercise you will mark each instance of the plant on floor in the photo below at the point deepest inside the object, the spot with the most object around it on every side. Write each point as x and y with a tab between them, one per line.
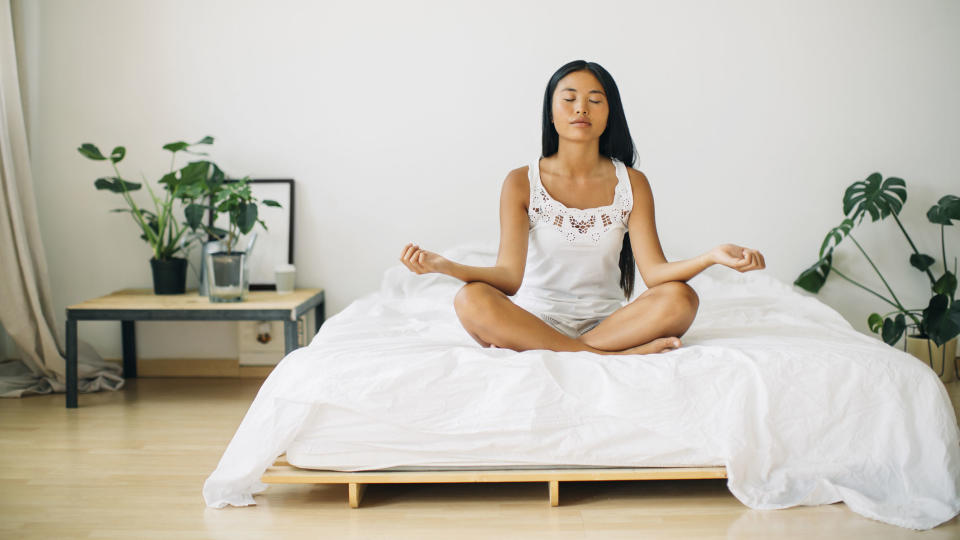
166	235
940	320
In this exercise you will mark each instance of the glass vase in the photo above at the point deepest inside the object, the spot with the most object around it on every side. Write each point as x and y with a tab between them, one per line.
227	276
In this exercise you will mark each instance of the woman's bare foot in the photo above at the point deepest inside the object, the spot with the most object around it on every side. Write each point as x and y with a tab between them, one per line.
656	346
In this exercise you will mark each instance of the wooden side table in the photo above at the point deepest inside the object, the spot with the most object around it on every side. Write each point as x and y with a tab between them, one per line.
129	305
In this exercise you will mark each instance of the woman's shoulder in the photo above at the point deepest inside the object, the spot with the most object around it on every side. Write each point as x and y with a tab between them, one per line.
637	178
640	192
518	178
516	186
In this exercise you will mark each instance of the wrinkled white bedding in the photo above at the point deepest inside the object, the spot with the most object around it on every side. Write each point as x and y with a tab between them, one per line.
801	408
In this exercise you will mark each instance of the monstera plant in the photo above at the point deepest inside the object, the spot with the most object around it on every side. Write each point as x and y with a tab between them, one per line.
939	321
166	234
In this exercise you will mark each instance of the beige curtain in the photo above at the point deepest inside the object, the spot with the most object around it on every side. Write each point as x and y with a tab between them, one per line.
26	308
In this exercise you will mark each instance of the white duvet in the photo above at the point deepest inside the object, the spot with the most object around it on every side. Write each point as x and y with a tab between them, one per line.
773	384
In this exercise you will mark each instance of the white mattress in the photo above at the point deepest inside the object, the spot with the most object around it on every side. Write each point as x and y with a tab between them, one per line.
341	440
771	383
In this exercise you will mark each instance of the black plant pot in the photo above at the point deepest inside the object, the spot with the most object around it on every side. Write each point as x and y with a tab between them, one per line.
170	276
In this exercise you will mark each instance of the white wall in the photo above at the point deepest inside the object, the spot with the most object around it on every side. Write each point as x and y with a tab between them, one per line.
399	120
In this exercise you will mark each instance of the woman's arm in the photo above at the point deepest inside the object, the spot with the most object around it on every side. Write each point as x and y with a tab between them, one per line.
507	274
648	253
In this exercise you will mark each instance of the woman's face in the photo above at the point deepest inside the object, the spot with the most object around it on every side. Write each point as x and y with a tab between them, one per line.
580	107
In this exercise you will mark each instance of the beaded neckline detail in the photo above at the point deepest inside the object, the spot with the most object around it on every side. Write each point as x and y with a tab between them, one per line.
579	224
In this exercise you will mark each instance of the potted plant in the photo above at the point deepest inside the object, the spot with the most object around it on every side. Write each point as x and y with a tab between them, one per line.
166	235
226	267
939	321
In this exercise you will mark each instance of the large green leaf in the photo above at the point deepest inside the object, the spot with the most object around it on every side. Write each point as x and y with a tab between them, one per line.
946	209
893	329
195	213
170	179
947	284
216	178
921	262
942	323
246	217
194	172
874	196
813	278
834	237
116	185
875	322
176	146
91	151
183	145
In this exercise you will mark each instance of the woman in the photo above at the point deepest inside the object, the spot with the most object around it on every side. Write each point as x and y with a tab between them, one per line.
563	295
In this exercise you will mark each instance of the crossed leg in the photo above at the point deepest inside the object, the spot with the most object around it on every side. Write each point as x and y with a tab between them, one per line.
651	323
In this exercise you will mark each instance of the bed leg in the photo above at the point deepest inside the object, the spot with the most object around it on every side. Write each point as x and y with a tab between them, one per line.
355	494
554	486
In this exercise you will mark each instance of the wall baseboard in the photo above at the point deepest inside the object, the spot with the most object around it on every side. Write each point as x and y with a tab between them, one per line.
196	367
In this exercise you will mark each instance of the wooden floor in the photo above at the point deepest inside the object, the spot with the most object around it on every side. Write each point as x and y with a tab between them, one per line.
131	464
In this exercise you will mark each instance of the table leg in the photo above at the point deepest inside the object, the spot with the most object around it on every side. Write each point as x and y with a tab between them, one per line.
128	338
71	363
289	336
319	316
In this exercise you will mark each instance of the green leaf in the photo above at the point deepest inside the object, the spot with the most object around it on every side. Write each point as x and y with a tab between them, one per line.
921	262
942	323
206	140
946	285
176	146
154	226
194	172
875	322
117	155
192	191
946	209
115	184
271	202
216	178
170	179
194	213
813	278
893	329
875	197
90	151
247	217
836	235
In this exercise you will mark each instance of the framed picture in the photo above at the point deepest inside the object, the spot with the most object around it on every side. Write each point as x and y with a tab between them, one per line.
273	246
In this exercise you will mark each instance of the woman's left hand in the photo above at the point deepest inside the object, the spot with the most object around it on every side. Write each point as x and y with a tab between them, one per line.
739	258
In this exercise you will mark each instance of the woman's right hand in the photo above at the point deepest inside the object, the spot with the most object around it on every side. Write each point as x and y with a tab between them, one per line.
421	261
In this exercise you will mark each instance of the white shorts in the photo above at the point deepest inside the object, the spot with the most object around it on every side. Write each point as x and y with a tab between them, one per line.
569	325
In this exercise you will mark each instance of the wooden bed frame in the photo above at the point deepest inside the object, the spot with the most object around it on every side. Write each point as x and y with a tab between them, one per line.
283	473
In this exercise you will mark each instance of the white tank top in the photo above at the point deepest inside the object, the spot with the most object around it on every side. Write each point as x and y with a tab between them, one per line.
573	255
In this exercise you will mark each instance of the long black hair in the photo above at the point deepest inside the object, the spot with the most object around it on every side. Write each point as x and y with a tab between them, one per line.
615	142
